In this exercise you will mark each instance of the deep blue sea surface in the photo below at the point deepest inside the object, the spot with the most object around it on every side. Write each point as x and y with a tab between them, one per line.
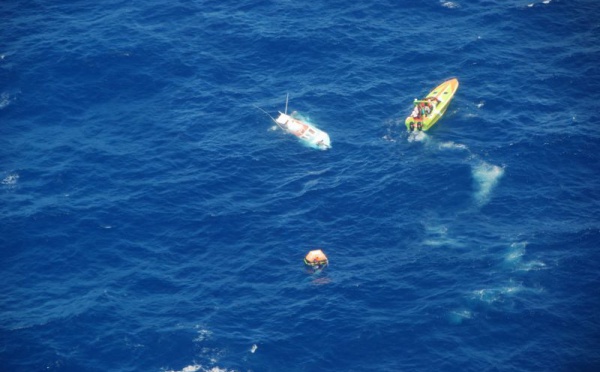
154	219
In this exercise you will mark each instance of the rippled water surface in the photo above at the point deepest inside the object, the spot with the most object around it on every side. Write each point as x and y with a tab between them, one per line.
154	219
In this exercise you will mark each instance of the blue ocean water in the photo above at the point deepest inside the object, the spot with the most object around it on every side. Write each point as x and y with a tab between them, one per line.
153	219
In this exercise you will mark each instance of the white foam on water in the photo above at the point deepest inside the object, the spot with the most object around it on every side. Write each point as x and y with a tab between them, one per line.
11	179
492	295
532	266
458	316
192	368
515	252
197	367
313	145
417	136
508	294
437	236
486	177
488	295
449	4
505	293
545	2
253	348
203	334
388	138
5	100
514	258
434	242
450	145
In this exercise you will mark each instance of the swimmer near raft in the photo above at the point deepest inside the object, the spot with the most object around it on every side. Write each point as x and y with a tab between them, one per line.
316	259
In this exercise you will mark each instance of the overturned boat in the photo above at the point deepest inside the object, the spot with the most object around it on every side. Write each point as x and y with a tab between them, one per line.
305	131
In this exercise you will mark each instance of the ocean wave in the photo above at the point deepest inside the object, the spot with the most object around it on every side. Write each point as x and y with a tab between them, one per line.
153	220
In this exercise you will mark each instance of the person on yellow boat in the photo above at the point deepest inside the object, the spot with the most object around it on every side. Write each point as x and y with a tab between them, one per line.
433	102
421	109
416	111
424	107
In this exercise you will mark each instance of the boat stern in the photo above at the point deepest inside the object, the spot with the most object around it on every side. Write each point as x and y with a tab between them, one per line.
325	142
318	139
413	124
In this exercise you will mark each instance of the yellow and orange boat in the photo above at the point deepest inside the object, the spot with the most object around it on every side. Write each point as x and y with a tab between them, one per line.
429	110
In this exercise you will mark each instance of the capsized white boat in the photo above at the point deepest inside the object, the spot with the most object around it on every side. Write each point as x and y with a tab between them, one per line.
305	131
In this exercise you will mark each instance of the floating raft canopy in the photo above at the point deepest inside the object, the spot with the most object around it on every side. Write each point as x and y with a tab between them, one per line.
316	258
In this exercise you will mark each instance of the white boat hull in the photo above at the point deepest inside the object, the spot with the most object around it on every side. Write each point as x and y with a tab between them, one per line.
306	132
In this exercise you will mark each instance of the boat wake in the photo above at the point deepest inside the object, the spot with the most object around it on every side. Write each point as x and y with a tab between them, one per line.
458	316
417	136
545	2
509	293
453	146
486	177
514	259
437	236
199	368
202	341
497	294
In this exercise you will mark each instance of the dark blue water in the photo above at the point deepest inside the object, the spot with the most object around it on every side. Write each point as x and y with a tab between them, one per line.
153	219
